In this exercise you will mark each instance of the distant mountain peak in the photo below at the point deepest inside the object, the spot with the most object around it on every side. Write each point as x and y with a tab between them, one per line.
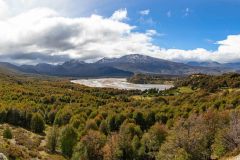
136	58
126	66
106	60
132	58
204	64
74	61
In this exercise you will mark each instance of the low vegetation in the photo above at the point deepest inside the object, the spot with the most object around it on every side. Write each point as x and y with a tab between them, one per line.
7	133
51	118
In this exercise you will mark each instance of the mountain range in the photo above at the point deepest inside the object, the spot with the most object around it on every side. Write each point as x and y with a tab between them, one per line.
212	64
124	67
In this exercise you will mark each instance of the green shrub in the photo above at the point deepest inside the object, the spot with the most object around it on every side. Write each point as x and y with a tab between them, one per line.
7	133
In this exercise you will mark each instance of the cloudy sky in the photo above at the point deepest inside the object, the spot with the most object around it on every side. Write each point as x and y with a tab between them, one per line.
53	31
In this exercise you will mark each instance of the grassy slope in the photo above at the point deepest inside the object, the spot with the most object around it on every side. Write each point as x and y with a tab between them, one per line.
25	144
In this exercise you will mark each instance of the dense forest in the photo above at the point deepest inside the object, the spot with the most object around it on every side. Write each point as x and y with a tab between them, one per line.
154	79
198	119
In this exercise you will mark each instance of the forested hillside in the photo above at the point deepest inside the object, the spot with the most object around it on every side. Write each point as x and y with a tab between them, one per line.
185	123
154	79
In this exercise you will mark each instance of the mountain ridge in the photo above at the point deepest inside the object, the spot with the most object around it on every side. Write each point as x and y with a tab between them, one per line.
125	66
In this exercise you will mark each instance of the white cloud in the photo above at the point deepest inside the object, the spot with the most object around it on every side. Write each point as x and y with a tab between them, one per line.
119	15
43	34
3	9
228	51
230	45
151	32
43	30
18	6
145	12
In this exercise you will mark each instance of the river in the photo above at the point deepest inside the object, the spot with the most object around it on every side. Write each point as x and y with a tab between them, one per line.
118	83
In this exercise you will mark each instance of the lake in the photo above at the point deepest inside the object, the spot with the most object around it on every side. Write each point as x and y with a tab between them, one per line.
118	83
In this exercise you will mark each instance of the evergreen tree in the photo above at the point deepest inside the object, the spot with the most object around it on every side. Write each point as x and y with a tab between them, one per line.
37	123
68	141
52	139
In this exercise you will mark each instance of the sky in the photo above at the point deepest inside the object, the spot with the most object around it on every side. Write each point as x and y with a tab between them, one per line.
54	31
